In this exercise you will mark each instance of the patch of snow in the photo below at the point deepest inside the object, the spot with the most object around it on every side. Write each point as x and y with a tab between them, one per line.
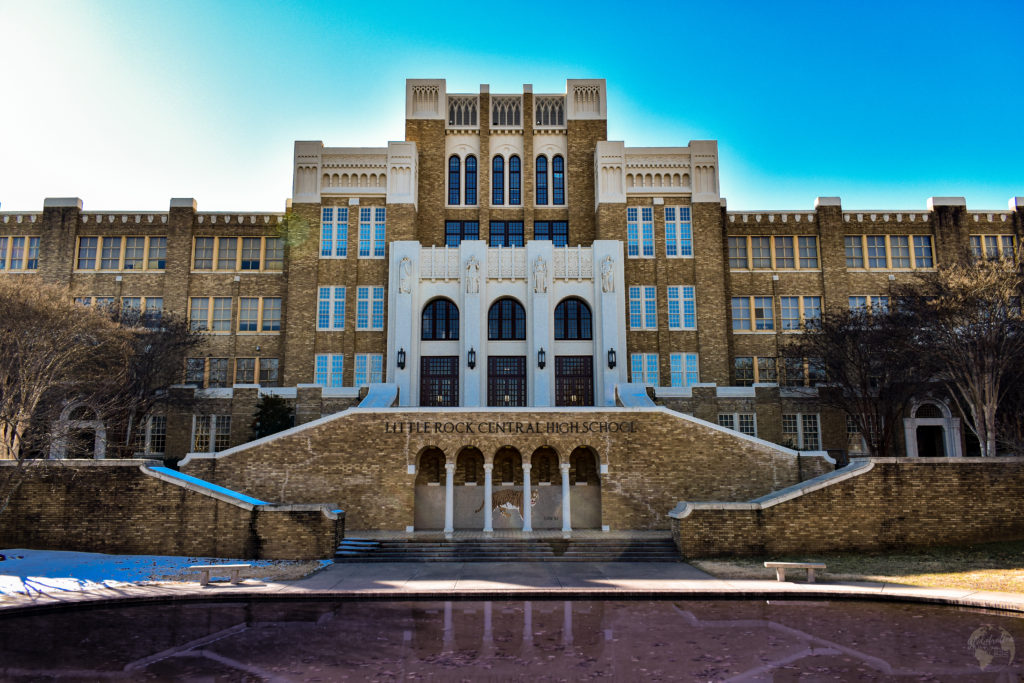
29	572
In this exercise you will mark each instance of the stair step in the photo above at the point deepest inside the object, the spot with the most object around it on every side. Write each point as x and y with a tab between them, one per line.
508	550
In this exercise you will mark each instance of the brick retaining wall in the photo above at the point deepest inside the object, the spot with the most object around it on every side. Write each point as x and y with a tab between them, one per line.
123	506
871	504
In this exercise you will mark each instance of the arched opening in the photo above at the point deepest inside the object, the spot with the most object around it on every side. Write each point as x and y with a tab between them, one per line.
557	180
470	180
585	488
440	321
932	431
507	499
454	179
469	489
573	320
430	490
541	180
498	181
546	489
79	433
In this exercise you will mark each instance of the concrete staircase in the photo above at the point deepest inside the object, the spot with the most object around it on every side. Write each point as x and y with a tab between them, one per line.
508	550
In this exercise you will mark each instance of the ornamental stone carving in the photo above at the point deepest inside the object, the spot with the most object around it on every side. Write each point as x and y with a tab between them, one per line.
608	274
540	276
472	275
405	276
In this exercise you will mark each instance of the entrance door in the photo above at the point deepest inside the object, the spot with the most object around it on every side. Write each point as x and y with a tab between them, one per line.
506	380
439	381
930	441
574	380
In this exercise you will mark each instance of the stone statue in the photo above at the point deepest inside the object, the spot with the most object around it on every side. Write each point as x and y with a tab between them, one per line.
540	276
472	275
405	276
607	274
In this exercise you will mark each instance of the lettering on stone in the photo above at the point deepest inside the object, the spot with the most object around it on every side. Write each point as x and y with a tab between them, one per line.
512	427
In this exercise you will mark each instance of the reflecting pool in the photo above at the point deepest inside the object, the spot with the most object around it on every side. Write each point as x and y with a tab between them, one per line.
517	640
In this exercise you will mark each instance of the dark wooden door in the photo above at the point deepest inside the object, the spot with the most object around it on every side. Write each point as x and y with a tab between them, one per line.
574	380
506	381
439	381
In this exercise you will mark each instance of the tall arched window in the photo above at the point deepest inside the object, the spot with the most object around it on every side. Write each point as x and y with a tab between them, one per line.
453	179
514	182
557	180
498	181
506	320
572	320
440	321
542	179
470	180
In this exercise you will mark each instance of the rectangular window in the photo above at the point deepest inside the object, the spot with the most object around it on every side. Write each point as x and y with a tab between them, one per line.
17	252
763	313
21	260
110	254
795	374
365	232
741	313
506	234
3	253
369	369
202	258
251	253
269	372
245	371
333	232
221	314
372	232
329	368
227	253
738	252
801	431
199	314
632	232
854	251
370	308
876	251
211	433
744	423
134	252
195	369
647	230
556	231
218	372
899	251
326	232
784	257
684	369
682	308
271	319
923	251
765	369
678	232
643	368
992	247
248	314
869	304
273	254
157	258
643	314
156	434
743	371
457	231
330	314
808	251
798	311
760	252
221	433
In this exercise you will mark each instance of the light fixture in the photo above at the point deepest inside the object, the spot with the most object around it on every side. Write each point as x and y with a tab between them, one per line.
611	359
401	359
542	358
471	358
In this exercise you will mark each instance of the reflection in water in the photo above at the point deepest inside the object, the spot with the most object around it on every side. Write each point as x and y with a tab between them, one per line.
540	639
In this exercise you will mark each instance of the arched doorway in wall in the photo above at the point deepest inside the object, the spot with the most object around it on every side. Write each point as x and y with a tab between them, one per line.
429	491
546	482
585	488
79	433
931	431
469	489
507	496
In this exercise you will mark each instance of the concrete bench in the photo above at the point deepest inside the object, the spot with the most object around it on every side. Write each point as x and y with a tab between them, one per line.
781	567
232	569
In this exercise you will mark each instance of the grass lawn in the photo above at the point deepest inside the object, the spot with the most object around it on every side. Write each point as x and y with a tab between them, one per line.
989	567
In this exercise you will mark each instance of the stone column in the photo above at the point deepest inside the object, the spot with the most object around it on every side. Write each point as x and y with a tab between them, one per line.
449	497
527	512
488	490
448	635
566	510
567	623
528	623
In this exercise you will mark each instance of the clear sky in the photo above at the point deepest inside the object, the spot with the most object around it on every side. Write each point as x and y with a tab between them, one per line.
127	104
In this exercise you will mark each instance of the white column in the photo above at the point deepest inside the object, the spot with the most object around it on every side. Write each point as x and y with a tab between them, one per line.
488	490
449	498
566	509
527	512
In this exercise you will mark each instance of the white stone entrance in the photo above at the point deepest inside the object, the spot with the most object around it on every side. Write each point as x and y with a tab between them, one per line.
921	431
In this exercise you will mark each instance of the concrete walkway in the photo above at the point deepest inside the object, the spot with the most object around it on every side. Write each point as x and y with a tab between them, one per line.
515	581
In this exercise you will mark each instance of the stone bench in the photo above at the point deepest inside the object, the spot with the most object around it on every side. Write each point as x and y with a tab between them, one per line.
781	567
232	569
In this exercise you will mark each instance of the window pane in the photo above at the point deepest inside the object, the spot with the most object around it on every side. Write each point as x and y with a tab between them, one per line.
251	253
203	256
111	257
854	252
221	314
737	252
227	253
134	250
784	252
743	368
86	252
268	372
808	251
157	253
760	252
899	248
248	314
514	181
218	372
876	251
498	181
740	313
245	371
275	253
199	313
271	314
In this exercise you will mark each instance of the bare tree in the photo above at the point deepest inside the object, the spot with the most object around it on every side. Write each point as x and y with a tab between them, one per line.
872	369
51	350
969	321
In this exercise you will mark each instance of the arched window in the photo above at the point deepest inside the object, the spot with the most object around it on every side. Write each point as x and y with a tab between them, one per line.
440	321
453	179
572	320
498	181
506	320
557	180
542	179
470	180
514	182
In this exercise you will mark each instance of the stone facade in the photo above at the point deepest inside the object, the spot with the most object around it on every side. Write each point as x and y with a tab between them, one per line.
123	506
873	504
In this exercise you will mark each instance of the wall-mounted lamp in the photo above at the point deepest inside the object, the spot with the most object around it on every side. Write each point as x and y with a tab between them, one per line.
611	359
400	361
542	359
471	358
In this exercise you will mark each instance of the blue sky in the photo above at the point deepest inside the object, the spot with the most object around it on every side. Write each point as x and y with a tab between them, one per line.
127	104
